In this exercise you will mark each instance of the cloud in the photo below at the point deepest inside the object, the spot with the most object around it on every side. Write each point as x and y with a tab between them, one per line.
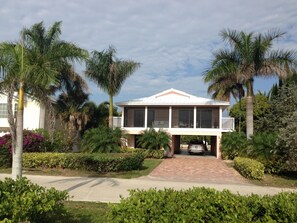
173	40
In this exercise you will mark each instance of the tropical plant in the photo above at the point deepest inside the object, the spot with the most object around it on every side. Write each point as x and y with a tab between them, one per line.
71	108
263	148
109	73
233	144
222	86
35	62
152	139
57	141
288	141
250	56
261	108
102	140
32	142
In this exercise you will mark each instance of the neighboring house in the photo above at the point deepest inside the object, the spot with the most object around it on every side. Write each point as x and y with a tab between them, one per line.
179	114
34	114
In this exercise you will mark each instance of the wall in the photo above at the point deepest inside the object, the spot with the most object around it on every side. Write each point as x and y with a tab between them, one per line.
34	114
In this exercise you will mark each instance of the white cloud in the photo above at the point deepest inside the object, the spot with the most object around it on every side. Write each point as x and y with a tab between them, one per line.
173	39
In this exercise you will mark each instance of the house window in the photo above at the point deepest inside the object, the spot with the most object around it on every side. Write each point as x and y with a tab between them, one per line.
134	117
3	110
183	117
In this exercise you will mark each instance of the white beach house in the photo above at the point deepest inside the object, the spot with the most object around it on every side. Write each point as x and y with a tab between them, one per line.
179	114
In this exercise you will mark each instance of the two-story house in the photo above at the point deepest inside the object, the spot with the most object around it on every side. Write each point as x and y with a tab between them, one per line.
179	114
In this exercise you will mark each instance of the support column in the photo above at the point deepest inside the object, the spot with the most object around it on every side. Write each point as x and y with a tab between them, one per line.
176	144
123	116
170	117
218	145
195	117
220	118
131	141
145	117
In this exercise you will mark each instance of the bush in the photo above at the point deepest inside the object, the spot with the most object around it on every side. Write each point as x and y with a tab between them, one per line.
152	139
93	162
22	200
147	153
233	144
264	149
102	140
5	152
249	168
32	142
287	141
57	143
203	205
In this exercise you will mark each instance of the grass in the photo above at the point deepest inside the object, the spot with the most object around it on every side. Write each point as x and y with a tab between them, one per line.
271	180
83	212
282	181
148	166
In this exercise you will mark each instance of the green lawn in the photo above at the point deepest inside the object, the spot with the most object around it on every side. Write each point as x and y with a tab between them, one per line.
289	181
270	180
148	166
83	212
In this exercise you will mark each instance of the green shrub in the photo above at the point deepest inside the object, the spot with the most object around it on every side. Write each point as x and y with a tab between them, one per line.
102	140
233	144
152	139
57	143
264	149
249	168
5	156
203	205
22	200
93	162
148	153
31	141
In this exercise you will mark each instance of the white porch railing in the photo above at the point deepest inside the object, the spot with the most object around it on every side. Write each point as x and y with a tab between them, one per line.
117	122
228	123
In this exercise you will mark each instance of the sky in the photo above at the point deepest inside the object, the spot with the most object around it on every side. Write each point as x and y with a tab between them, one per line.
174	40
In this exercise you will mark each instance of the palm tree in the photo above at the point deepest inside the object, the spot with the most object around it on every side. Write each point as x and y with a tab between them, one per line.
251	56
109	73
11	67
71	106
43	55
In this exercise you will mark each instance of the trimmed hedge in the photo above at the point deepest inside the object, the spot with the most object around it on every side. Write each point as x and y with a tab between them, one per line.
249	168
23	201
203	205
148	153
93	162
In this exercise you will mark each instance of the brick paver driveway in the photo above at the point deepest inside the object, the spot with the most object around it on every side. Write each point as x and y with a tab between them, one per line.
204	169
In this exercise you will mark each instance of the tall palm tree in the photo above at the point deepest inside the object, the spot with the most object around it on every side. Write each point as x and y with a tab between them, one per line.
43	55
251	56
109	73
11	68
70	107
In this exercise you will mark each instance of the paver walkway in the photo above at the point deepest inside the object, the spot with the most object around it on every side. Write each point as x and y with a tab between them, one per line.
203	169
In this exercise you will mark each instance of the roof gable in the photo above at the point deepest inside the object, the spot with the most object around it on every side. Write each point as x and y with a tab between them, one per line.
174	97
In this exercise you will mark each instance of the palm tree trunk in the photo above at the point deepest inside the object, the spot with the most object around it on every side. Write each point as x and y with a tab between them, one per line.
110	119
249	110
17	158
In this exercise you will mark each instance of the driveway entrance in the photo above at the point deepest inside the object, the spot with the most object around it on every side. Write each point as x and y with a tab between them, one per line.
204	169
